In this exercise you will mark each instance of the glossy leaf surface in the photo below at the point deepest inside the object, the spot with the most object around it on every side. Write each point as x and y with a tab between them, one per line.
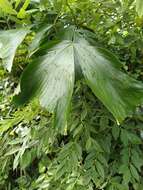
51	79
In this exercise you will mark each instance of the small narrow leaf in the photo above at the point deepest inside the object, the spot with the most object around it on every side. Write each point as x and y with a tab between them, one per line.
115	132
12	151
100	168
134	172
22	12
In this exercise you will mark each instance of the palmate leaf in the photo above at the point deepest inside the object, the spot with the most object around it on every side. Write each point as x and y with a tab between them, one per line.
50	77
9	41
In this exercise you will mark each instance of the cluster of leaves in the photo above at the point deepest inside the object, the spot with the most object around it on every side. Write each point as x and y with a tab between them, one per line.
85	149
93	153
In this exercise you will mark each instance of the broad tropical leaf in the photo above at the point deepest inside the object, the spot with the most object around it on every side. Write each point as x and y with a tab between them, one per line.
118	92
51	78
9	41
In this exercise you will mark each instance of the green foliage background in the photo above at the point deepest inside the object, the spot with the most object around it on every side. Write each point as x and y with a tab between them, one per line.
93	152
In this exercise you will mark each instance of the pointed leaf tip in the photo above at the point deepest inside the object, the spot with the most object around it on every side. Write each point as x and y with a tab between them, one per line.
51	78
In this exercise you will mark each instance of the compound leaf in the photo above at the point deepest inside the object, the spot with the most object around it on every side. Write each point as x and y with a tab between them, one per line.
51	78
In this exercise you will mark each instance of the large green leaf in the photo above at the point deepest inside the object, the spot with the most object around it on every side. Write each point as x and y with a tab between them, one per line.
51	78
139	7
118	92
9	41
